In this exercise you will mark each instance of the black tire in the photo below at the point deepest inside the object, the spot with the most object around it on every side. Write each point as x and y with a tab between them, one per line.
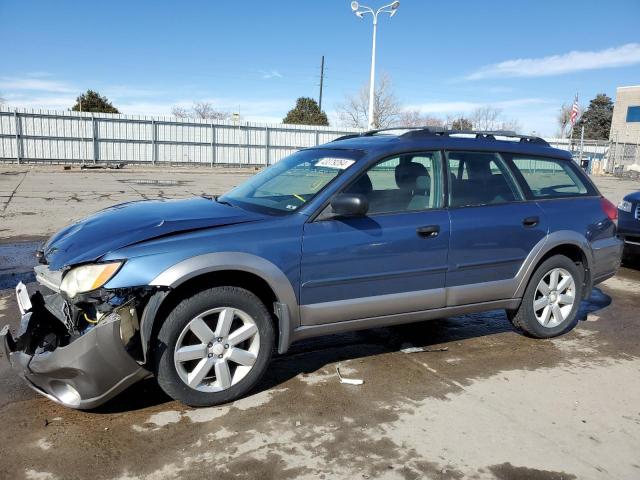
189	308
524	318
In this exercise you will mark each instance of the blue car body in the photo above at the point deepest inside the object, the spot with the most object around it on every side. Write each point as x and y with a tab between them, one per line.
629	225
330	276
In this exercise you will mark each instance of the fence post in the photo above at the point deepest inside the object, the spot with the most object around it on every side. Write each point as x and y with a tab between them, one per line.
317	137
154	138
94	130
213	145
246	144
267	141
18	126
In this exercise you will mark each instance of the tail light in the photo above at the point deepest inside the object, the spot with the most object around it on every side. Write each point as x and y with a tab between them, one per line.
609	209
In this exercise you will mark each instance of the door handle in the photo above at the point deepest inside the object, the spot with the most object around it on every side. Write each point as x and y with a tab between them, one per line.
531	221
428	231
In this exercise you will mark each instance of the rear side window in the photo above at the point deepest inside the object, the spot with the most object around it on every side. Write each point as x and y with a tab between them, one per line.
549	178
479	178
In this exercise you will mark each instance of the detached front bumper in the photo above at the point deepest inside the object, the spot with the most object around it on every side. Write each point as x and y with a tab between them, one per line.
85	373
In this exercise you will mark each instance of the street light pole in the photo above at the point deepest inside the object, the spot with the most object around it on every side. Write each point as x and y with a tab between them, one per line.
372	77
360	11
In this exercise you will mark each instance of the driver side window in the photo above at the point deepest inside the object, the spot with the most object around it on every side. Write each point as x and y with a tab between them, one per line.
403	183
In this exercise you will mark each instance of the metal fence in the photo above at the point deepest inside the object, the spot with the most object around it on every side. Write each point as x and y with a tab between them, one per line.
42	136
73	137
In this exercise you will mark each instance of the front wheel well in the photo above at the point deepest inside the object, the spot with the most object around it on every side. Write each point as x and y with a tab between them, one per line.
228	278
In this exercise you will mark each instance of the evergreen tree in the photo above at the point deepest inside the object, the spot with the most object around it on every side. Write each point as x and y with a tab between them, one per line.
93	102
306	112
597	118
462	124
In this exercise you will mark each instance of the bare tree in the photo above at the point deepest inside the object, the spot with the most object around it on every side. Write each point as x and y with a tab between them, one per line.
386	107
415	118
485	118
2	100
180	112
200	110
205	110
510	125
564	119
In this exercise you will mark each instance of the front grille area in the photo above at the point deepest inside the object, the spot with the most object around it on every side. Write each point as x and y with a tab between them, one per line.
638	211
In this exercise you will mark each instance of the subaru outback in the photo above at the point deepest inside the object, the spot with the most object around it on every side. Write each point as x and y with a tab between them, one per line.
370	230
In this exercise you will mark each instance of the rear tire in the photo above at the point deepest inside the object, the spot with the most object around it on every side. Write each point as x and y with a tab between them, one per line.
551	301
214	346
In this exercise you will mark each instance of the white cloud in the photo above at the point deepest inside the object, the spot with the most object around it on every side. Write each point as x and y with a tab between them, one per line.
574	61
270	74
129	91
39	74
466	107
35	84
52	102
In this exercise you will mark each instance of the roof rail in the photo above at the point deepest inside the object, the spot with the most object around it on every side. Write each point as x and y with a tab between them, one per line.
443	132
479	134
345	137
370	133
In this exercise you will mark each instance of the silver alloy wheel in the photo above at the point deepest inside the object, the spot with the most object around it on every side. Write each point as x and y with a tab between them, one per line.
217	349
554	297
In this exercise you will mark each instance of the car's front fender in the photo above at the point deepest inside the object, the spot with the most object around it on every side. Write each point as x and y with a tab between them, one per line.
287	309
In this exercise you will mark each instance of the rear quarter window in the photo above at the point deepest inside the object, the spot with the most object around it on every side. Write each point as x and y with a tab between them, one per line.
550	178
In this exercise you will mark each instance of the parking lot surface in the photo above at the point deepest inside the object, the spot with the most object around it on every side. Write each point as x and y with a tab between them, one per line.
475	399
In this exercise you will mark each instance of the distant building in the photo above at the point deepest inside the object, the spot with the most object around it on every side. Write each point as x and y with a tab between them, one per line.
625	125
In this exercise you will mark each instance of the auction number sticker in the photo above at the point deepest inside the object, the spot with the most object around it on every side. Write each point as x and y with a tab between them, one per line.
339	163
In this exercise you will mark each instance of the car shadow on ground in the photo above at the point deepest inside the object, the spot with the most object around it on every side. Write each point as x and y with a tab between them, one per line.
632	262
311	355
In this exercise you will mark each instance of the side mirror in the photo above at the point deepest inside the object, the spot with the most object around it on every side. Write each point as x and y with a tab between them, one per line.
349	205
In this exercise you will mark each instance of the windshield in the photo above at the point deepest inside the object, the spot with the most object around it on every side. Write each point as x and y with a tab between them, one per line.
293	181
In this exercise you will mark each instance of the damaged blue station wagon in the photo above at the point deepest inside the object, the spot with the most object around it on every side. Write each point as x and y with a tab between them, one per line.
376	229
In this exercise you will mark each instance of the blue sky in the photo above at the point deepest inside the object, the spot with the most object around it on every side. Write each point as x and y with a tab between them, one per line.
444	58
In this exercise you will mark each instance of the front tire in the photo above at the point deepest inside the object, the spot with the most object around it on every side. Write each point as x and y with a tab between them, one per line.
214	346
551	301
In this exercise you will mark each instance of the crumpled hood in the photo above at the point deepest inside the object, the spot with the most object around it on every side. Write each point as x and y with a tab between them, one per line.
128	223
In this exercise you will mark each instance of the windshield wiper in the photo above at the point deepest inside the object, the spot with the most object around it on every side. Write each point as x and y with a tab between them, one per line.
223	202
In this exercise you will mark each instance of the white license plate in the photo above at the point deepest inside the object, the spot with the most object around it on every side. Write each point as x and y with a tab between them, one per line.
24	302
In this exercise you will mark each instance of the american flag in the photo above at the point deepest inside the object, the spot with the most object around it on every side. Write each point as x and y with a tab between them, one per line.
575	112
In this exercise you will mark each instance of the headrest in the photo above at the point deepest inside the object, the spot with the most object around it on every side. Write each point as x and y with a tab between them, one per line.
362	186
407	174
423	183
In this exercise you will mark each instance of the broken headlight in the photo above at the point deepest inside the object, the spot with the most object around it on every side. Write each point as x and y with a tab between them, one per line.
88	277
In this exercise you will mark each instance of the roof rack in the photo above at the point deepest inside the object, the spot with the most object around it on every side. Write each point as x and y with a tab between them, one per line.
443	132
371	133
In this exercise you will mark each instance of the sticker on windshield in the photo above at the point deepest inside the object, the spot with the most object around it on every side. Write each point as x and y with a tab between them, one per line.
339	163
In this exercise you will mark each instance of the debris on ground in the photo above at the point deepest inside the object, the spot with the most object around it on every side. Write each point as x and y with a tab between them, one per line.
349	381
408	348
108	166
